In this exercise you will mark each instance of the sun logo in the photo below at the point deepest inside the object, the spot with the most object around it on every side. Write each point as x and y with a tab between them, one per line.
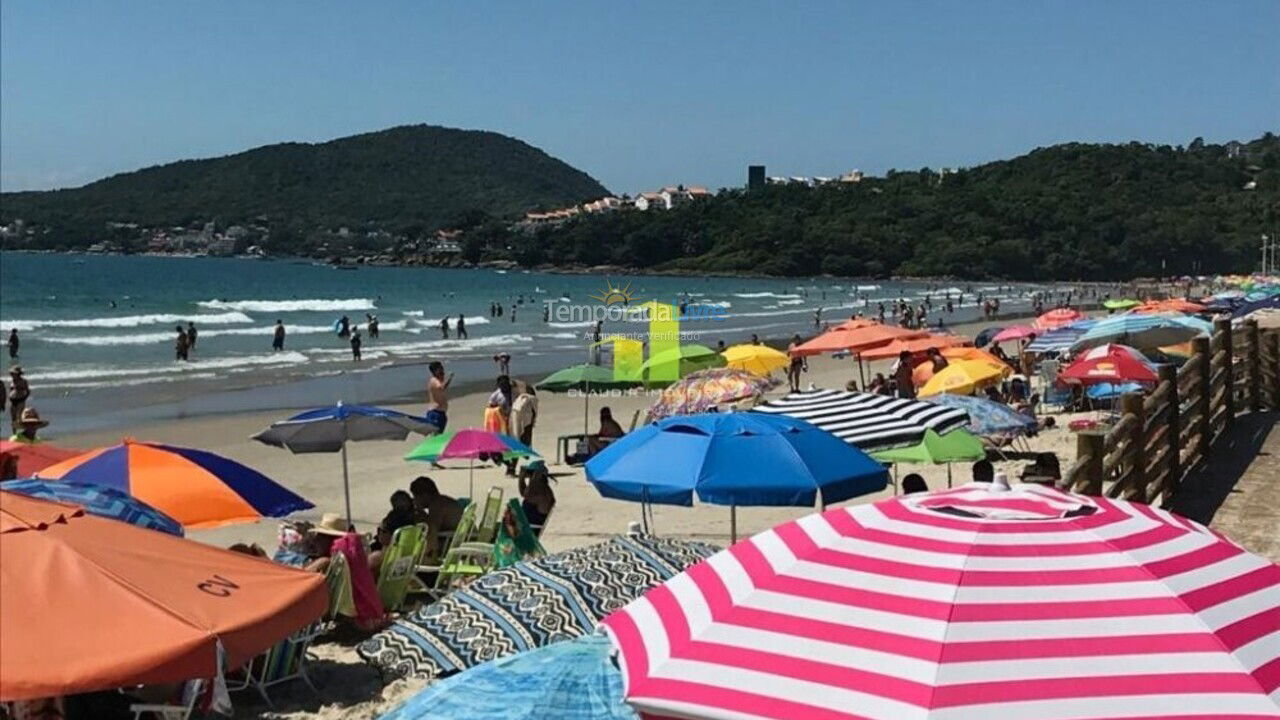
614	295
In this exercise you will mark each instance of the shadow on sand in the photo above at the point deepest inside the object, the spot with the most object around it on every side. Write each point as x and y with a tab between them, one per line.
1209	484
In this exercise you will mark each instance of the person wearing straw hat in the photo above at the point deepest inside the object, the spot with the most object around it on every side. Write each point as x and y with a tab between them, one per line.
29	423
19	391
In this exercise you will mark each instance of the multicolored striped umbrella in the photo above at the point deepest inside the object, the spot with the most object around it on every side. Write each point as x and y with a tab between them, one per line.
705	390
97	500
979	602
469	444
197	488
1058	317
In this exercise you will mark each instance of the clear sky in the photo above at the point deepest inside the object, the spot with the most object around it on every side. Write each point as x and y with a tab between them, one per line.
638	94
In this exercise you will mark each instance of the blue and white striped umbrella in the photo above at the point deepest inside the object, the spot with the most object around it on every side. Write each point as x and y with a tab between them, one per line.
1143	331
986	418
97	500
1061	339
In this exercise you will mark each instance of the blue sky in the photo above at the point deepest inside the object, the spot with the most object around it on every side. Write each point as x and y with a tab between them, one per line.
636	94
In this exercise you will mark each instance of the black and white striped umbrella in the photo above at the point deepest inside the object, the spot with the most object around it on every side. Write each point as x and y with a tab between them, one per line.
869	422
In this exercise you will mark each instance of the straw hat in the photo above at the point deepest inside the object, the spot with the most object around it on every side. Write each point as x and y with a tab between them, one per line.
331	524
31	417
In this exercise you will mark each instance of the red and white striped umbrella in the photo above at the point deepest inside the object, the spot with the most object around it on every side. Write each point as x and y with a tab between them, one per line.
978	602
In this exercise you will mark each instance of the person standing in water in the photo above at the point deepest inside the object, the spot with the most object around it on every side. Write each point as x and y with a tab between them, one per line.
191	335
13	343
462	327
355	344
373	326
277	339
444	327
180	346
344	327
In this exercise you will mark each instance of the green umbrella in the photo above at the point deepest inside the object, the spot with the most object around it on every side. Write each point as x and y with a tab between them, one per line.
692	358
1121	304
956	446
586	379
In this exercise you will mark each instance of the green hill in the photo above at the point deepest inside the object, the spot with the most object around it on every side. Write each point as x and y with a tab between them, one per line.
405	178
1073	211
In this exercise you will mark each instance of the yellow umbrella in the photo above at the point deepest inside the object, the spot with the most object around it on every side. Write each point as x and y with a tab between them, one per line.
758	359
963	377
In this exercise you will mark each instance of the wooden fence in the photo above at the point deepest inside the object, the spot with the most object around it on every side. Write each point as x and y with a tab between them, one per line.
1163	435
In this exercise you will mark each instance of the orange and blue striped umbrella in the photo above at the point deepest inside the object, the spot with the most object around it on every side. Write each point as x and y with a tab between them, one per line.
197	488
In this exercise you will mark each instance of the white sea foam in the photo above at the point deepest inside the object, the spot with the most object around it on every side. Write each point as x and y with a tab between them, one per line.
270	306
225	363
766	295
152	338
866	288
455	345
417	315
126	321
557	336
587	323
791	302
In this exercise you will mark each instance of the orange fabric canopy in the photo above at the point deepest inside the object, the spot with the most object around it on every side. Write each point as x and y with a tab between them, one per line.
894	348
1058	317
88	603
33	458
1177	305
856	323
924	371
855	339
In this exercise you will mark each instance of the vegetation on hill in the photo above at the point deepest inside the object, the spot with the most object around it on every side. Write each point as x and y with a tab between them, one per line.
1072	211
406	180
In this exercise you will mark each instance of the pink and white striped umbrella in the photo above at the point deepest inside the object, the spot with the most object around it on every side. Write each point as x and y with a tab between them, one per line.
978	602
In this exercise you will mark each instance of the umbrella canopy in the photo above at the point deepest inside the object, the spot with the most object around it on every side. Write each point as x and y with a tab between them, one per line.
987	418
970	353
867	421
982	339
1108	391
1110	364
1121	304
31	458
584	378
955	446
98	500
1254	306
856	323
1143	331
1028	603
692	358
855	339
1177	305
964	377
328	429
90	604
1058	340
1014	332
468	444
758	359
533	603
894	348
572	680
733	459
1058	317
705	390
197	488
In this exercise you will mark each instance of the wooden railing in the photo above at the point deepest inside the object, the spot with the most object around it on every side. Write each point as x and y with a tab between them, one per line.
1163	435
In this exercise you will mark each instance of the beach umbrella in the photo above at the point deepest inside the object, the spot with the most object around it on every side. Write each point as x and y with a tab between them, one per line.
970	353
964	377
856	323
1058	340
572	680
983	338
915	346
853	339
195	487
955	446
89	604
976	602
987	418
97	500
1110	364
329	429
1121	304
705	390
585	379
1143	331
1110	391
865	420
1058	317
1014	332
758	359
32	457
1176	305
534	603
690	357
469	444
1249	308
733	459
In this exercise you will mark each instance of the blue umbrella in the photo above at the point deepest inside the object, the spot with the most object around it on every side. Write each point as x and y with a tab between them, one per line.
1061	339
571	680
328	429
1256	305
984	337
1108	391
986	417
734	459
98	500
1149	331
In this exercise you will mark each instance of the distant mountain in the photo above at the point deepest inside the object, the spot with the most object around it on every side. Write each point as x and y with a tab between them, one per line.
418	177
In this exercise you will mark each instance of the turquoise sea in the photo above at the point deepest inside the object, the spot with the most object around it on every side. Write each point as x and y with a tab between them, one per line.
97	331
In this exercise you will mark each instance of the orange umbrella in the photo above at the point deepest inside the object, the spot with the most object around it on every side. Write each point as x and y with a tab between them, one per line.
33	458
1177	305
1058	317
88	603
894	348
855	339
856	324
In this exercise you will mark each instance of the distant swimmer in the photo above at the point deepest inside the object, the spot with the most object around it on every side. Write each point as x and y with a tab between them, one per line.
191	335
180	346
344	327
355	344
504	363
113	303
373	325
513	313
462	327
277	339
13	343
546	312
444	327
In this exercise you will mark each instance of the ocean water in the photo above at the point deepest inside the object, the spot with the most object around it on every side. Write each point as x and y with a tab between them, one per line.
97	331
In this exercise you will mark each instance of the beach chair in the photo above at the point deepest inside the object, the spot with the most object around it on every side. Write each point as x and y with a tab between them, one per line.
399	560
487	529
191	691
341	597
283	662
461	534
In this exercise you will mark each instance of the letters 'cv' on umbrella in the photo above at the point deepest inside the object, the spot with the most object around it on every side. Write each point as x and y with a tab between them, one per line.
329	429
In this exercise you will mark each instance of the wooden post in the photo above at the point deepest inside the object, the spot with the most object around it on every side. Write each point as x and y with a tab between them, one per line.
1203	352
1169	374
1253	365
1091	444
1131	404
1222	331
1271	340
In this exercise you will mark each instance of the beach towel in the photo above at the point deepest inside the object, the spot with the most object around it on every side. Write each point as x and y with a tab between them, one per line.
364	590
494	420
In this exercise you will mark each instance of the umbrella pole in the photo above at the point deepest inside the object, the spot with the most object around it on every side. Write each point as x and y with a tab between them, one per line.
471	479
733	524
586	409
948	475
895	478
346	483
861	375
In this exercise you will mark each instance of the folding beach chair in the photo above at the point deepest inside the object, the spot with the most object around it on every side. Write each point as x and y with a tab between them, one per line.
341	596
461	534
487	529
191	691
398	563
283	662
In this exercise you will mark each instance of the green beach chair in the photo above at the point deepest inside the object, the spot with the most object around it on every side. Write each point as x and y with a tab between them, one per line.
470	560
341	597
487	530
283	662
398	563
